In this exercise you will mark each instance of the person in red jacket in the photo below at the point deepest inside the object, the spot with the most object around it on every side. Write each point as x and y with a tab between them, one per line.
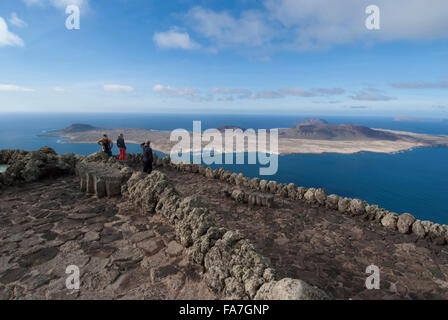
121	146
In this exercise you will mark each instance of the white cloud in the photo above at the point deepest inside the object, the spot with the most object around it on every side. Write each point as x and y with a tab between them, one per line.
16	21
323	23
118	88
59	89
232	91
14	88
7	38
248	29
443	84
371	94
276	94
189	93
174	39
317	24
34	2
232	94
59	4
314	92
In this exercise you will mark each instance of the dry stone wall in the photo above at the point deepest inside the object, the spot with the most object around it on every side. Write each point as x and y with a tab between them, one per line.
233	268
404	223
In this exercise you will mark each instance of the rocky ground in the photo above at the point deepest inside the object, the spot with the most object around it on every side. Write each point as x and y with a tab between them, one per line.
326	248
48	225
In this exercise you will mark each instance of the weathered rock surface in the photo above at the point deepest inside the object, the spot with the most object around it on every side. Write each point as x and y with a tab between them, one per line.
289	289
405	222
323	247
109	241
31	166
168	224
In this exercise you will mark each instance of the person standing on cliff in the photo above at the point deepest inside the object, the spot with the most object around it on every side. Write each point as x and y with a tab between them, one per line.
121	146
147	156
107	144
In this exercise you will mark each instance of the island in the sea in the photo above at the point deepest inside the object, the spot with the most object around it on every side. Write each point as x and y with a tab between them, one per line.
312	135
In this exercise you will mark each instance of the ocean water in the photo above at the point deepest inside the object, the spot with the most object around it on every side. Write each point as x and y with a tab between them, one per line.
414	181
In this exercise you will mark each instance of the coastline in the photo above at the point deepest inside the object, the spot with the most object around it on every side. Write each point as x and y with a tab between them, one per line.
161	142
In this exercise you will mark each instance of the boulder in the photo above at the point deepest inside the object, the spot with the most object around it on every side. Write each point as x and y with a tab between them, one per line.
272	186
238	195
357	207
289	289
263	185
436	230
282	190
405	222
344	205
309	195
255	183
321	196
292	191
300	194
32	166
332	202
390	220
371	211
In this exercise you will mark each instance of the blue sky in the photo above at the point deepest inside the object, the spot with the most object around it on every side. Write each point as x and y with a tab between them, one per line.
270	56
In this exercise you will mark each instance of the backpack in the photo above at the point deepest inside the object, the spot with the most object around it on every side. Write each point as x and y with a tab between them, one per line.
106	145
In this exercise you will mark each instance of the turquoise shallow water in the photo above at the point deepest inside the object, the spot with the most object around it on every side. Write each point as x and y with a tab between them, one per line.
414	181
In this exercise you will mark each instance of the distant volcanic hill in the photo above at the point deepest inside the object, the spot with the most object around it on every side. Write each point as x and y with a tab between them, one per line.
223	128
77	127
319	129
313	121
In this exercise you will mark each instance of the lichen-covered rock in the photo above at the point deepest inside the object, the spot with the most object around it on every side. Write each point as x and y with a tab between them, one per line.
263	185
201	246
344	205
309	195
32	166
210	173
390	220
371	211
418	229
436	230
292	191
405	222
272	186
255	183
97	157
321	196
289	289
239	179
234	268
238	195
427	225
300	194
332	202
282	190
357	207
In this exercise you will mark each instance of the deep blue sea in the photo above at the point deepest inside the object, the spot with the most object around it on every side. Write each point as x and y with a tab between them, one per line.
414	181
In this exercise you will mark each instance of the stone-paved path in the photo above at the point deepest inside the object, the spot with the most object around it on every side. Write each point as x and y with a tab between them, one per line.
326	248
49	225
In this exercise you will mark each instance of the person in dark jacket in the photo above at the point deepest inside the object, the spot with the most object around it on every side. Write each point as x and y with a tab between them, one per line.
147	156
121	146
